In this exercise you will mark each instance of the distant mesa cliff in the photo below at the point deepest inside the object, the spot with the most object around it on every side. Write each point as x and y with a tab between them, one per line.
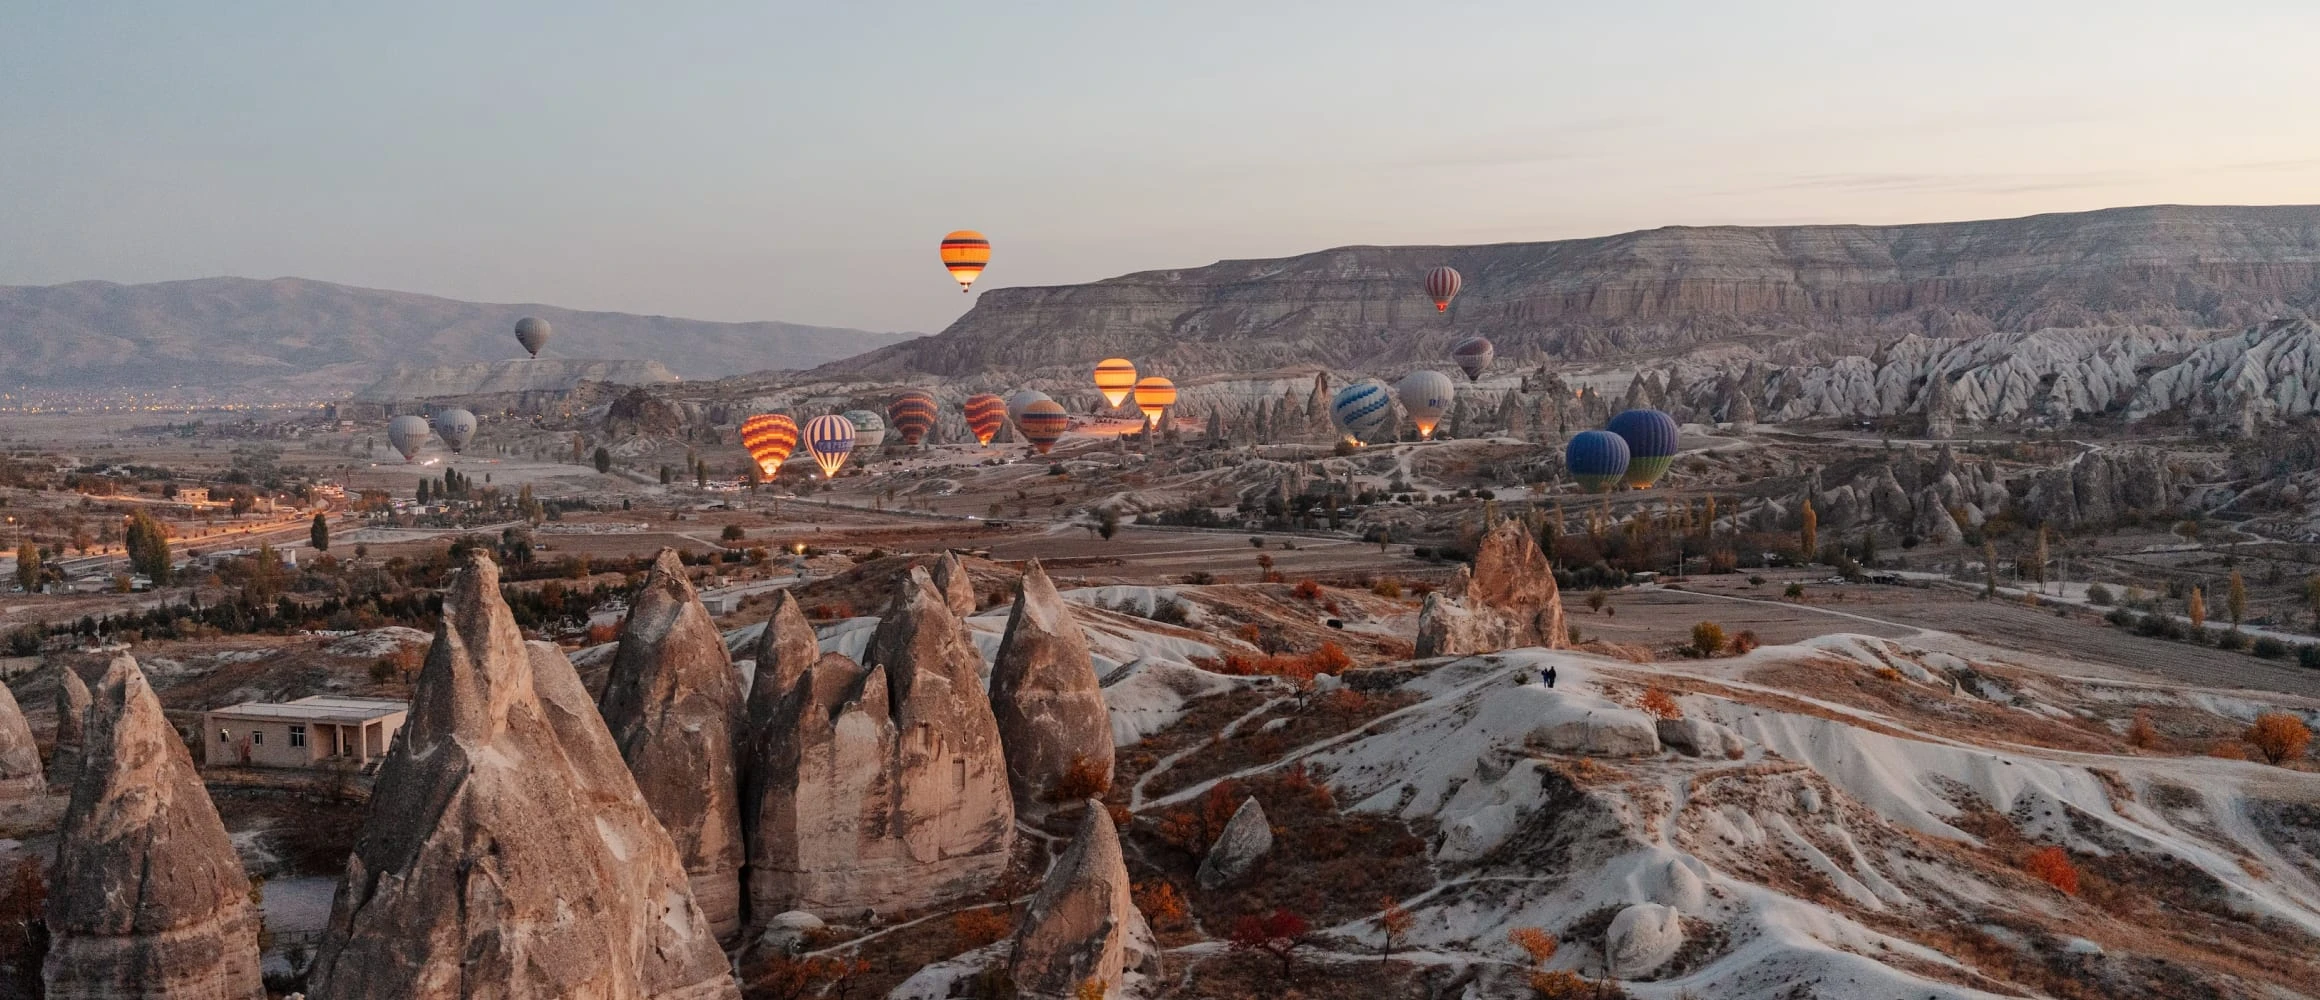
1801	293
516	375
290	333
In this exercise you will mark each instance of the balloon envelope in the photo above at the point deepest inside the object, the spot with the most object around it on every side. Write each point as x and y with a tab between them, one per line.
1154	396
869	430
407	434
1473	355
1021	399
770	437
532	332
965	253
829	439
911	415
455	427
1115	378
1043	424
1361	410
1651	444
1442	284
986	413
1597	460
1425	396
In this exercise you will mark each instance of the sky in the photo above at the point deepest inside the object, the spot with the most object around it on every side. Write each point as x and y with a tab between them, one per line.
800	161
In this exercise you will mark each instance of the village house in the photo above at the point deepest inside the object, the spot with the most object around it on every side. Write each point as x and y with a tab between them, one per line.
315	732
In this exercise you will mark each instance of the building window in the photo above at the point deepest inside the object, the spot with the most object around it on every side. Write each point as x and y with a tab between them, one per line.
297	736
225	737
257	737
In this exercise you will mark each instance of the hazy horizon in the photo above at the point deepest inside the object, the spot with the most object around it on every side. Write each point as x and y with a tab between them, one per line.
798	163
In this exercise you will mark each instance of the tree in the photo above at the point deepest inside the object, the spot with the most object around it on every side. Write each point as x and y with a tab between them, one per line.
148	545
2279	736
1989	569
2052	866
1707	639
734	533
28	567
2312	597
1811	535
1395	922
1539	945
2140	733
665	477
1278	934
1107	522
2039	557
2235	599
603	459
2195	606
423	491
318	535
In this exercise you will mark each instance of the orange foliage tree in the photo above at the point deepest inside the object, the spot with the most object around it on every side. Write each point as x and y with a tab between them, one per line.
1277	935
1660	704
1396	923
2052	866
1161	904
981	927
2279	736
1536	943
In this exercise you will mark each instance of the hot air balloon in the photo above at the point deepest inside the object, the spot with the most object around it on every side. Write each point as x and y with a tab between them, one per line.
1043	424
1651	444
986	413
829	439
1442	285
1020	399
407	434
770	437
1361	410
1425	396
1597	460
1473	355
912	415
1154	396
869	430
965	252
532	332
455	427
1115	378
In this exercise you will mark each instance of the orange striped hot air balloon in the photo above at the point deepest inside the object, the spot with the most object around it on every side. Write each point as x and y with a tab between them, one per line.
1154	396
770	437
912	413
1043	424
1115	378
986	413
965	252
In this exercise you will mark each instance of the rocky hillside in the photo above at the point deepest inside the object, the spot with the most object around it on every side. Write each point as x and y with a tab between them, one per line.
517	375
322	338
1796	293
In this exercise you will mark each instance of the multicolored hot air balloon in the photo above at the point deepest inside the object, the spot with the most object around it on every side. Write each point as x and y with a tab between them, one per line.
912	415
1043	424
1154	395
829	439
869	431
407	434
965	253
1020	399
532	332
986	413
770	437
455	427
1442	285
1425	396
1115	378
1597	460
1651	444
1361	410
1473	355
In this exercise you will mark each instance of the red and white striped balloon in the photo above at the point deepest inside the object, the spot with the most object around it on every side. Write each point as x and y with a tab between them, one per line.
1442	285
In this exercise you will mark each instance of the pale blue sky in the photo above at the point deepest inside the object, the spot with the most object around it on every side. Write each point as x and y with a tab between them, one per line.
799	161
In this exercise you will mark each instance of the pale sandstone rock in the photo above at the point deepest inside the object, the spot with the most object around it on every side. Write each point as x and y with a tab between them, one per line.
508	853
1598	732
784	650
20	775
72	709
1508	601
1046	698
1246	839
1641	939
149	898
673	703
1080	926
958	589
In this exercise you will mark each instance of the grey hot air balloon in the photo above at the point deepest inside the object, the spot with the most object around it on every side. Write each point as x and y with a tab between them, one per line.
532	332
407	434
1022	398
455	427
869	431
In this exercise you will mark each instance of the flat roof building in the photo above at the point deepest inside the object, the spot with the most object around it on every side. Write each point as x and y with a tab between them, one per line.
315	732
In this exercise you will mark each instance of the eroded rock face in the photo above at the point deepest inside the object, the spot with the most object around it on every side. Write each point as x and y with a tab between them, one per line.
784	650
508	852
958	589
72	709
674	706
1046	698
1641	939
20	775
1508	601
1246	839
1079	927
149	898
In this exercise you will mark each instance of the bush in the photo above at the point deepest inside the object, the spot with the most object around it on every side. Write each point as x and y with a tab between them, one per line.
1660	705
1308	590
2231	640
1387	587
1745	643
2269	648
2308	657
2120	617
1794	592
1084	779
2098	594
1707	639
2279	736
977	928
2052	866
734	533
1755	581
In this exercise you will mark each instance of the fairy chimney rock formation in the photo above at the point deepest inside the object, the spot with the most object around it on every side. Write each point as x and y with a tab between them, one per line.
20	776
958	589
784	650
1507	601
881	786
72	709
508	852
674	706
149	897
1044	693
1082	924
1246	839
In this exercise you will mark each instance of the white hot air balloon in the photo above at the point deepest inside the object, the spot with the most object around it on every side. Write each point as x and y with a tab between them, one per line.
869	430
532	332
407	434
455	427
1425	396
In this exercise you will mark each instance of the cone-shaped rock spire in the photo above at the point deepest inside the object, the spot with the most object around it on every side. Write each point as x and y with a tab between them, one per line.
1044	693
